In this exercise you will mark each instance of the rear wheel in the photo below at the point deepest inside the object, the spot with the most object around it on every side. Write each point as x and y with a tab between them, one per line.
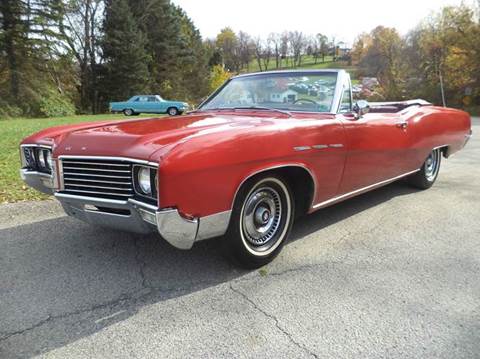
173	111
128	112
425	178
262	218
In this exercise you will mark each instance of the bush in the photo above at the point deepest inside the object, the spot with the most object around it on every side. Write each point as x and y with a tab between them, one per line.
55	104
218	76
7	111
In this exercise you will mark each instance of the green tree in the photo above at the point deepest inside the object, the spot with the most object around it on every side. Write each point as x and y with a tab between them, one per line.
126	71
191	67
80	27
14	42
218	76
227	41
380	54
28	62
178	62
443	53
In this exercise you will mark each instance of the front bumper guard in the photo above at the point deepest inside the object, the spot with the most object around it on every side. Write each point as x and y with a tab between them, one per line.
42	182
138	217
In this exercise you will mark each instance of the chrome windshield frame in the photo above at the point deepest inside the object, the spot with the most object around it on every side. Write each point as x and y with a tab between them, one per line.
342	76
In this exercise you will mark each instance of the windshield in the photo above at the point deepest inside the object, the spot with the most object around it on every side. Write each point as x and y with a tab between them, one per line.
311	92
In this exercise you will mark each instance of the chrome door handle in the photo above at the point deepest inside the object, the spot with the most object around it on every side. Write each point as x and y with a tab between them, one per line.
403	125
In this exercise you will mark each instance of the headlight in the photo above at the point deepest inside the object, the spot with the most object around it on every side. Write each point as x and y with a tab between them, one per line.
144	181
37	158
49	160
41	159
145	178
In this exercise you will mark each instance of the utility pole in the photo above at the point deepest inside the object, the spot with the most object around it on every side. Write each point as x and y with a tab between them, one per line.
442	90
437	61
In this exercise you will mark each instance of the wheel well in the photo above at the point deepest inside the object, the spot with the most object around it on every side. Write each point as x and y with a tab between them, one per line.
301	182
445	151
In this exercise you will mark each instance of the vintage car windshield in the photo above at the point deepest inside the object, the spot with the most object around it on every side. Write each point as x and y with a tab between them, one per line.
310	92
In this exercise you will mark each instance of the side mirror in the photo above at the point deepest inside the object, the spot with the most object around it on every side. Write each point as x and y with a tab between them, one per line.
361	108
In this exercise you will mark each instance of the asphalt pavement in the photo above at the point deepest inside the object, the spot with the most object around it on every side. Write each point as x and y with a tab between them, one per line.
394	273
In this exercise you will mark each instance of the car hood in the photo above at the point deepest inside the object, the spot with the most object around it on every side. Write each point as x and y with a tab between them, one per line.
142	139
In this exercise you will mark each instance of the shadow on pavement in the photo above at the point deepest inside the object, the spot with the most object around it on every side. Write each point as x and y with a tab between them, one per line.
62	270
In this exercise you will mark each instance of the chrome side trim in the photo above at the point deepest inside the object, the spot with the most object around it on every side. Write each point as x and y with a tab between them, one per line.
320	147
175	229
214	225
302	148
360	190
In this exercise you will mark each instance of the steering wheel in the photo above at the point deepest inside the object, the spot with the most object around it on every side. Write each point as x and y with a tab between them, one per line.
305	100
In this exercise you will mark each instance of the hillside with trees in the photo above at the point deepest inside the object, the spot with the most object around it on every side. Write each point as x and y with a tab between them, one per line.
439	60
59	57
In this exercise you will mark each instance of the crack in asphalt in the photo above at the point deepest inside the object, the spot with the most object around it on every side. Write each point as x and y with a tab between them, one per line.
141	265
18	332
276	321
50	318
122	298
151	290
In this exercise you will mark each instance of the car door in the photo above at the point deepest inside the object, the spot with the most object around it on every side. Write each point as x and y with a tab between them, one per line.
379	148
162	104
157	105
141	104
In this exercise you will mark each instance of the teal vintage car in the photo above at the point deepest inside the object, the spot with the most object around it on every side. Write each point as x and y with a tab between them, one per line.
149	104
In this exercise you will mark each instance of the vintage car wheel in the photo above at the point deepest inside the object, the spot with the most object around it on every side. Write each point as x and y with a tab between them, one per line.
262	218
172	111
128	112
425	178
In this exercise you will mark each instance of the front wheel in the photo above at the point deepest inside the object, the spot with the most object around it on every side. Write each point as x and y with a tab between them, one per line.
262	218
128	112
425	178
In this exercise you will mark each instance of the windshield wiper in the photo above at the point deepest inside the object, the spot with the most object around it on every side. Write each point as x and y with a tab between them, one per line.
263	109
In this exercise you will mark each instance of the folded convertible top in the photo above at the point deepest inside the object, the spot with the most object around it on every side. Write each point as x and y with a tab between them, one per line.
396	106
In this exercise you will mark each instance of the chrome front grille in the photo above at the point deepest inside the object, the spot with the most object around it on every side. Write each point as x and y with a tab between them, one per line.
110	179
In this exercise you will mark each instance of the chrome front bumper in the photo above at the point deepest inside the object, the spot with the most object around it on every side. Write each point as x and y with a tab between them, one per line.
138	217
134	216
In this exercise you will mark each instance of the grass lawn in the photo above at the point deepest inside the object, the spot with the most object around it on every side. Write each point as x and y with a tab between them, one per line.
308	62
12	131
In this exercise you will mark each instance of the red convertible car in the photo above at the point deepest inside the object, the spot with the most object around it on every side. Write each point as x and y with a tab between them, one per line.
260	151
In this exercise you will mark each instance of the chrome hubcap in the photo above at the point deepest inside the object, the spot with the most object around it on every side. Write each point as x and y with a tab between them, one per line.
261	216
431	165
